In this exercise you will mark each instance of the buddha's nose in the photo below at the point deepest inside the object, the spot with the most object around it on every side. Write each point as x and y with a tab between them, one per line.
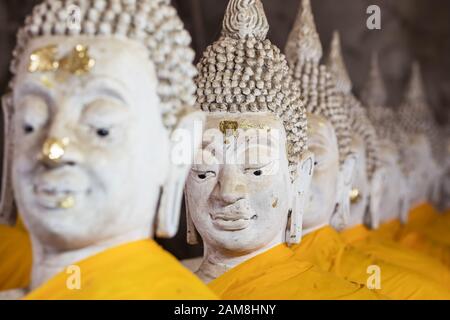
55	152
230	189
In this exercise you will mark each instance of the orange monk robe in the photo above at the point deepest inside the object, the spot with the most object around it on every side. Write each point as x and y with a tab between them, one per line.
395	253
139	270
276	274
15	258
326	249
389	230
428	233
426	219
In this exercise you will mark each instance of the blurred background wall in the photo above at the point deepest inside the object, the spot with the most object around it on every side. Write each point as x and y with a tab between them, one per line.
411	29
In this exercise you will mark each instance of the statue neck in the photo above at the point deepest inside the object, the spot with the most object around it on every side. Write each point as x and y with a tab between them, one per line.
48	262
216	262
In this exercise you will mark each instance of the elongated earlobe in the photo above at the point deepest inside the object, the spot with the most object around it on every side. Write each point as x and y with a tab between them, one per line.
184	145
301	186
341	216
8	212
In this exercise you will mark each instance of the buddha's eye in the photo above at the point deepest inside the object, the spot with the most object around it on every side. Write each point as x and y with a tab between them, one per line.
258	173
102	132
28	128
205	175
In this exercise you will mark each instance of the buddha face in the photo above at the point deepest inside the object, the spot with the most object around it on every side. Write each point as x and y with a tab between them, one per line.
239	190
420	164
360	191
323	194
393	192
91	151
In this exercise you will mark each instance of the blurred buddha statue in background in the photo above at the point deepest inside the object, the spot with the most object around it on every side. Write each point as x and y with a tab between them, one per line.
366	194
248	212
394	202
329	125
328	202
91	105
416	119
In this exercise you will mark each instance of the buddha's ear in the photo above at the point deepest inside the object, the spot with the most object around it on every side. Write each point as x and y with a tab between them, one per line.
185	141
341	216
8	213
192	236
301	185
376	194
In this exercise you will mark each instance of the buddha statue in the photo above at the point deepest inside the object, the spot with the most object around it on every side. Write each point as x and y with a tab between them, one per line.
90	105
415	118
328	204
246	191
394	201
369	177
331	182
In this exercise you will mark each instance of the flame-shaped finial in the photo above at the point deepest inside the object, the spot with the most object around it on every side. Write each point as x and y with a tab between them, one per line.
337	66
415	92
374	92
245	19
415	113
304	41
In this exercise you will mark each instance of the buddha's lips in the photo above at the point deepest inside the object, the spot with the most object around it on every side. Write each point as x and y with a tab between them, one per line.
235	216
52	197
232	222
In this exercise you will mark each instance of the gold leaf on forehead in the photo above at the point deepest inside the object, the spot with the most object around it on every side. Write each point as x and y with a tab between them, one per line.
78	62
250	125
227	125
44	60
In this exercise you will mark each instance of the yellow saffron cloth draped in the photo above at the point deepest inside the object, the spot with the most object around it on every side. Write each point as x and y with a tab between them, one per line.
139	270
326	249
427	232
15	258
389	230
425	218
276	274
395	253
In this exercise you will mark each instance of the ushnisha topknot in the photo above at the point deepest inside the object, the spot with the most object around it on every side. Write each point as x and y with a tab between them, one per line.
303	43
359	121
374	97
414	113
154	23
244	72
374	92
304	52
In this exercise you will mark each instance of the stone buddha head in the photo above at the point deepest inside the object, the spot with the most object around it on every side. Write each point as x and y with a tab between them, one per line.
366	183
394	202
416	119
94	115
328	126
242	192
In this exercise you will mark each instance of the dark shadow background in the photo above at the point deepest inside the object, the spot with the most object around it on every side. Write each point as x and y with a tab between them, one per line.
411	29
